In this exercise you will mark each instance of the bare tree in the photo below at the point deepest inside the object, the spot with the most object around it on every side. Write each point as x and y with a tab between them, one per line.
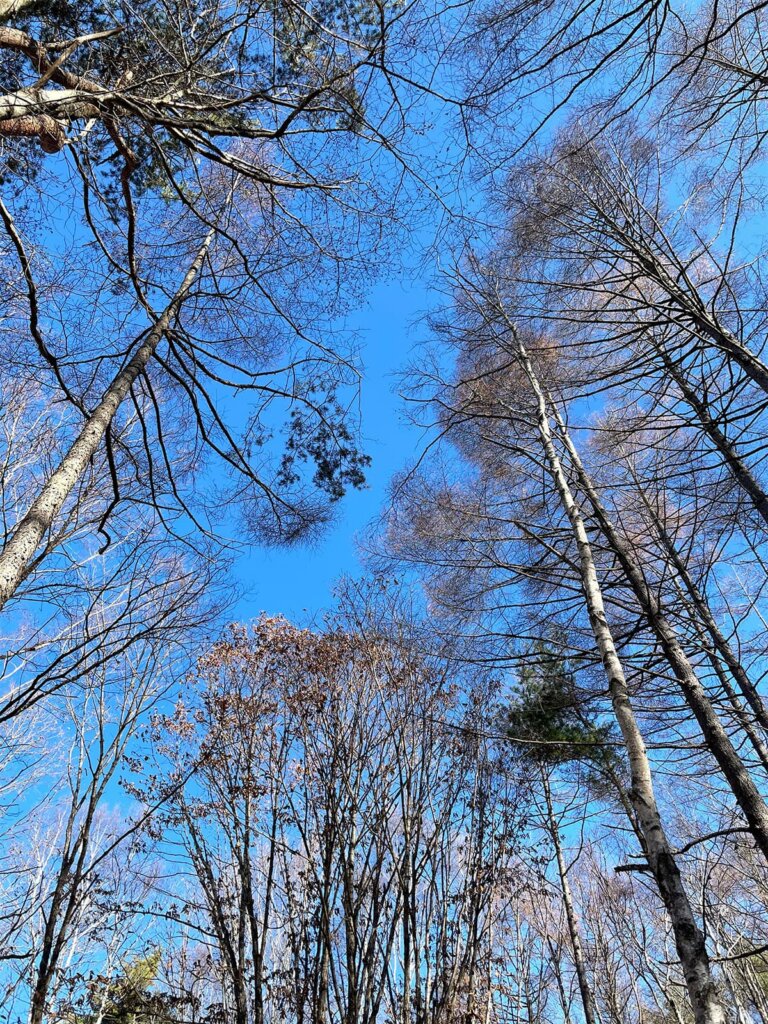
491	416
221	211
361	871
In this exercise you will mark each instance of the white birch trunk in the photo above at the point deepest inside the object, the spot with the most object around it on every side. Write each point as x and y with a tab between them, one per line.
733	768
689	940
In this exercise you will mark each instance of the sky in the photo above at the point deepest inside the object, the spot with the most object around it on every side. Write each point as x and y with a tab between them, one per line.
298	582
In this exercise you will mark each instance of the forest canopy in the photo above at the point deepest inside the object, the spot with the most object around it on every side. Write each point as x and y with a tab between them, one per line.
516	772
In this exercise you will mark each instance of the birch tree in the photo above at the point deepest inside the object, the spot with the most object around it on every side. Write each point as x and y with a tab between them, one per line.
487	407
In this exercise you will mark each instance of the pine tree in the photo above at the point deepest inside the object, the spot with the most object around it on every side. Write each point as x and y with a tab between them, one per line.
128	999
549	708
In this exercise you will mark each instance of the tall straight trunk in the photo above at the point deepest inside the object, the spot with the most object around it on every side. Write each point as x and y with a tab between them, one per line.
718	639
260	944
689	940
62	908
735	772
741	1015
407	885
574	928
554	959
30	530
739	470
351	927
689	305
319	982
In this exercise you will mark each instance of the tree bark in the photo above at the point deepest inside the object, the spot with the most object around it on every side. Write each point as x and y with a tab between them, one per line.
690	305
739	470
574	929
746	793
719	641
689	939
30	530
8	8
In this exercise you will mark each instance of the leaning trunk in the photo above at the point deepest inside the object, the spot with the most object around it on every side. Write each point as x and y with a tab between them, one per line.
29	532
736	774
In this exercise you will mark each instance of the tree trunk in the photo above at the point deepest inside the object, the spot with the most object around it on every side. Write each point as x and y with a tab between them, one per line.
574	930
689	940
739	470
30	530
746	793
720	642
692	308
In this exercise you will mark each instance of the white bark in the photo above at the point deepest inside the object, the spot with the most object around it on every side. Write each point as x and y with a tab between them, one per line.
30	530
689	940
735	772
55	102
8	8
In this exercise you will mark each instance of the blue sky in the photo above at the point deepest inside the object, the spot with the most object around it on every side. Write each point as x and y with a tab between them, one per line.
299	582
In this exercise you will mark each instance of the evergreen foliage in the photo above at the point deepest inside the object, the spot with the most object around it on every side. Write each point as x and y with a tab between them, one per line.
548	716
